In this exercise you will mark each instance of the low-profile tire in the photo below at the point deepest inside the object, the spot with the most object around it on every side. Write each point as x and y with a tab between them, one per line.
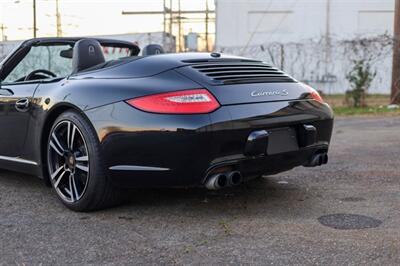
75	165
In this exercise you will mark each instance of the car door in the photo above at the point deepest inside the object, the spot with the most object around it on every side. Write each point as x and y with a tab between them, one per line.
15	103
20	76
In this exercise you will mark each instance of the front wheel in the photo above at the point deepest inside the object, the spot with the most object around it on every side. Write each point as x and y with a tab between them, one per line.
74	164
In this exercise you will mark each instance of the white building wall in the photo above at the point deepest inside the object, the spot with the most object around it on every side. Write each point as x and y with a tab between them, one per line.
240	22
243	26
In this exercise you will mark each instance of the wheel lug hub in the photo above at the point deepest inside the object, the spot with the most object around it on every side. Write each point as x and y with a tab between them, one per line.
70	160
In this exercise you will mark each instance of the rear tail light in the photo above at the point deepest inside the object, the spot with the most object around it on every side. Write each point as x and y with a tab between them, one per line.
314	94
199	101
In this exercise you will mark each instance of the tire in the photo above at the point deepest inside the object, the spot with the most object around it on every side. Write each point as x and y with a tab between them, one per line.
75	165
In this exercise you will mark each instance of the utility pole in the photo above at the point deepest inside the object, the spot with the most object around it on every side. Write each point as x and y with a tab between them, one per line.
207	17
328	41
395	92
173	16
34	18
180	26
171	21
58	18
3	33
327	36
165	22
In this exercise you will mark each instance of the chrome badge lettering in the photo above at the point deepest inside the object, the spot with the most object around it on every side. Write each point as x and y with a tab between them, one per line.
283	92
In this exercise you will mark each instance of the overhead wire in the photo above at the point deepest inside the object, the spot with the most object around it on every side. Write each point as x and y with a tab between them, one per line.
294	3
257	26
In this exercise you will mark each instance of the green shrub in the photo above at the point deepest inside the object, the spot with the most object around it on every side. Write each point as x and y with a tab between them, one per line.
360	78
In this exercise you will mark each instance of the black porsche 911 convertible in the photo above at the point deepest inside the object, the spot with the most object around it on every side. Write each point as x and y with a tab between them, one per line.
92	117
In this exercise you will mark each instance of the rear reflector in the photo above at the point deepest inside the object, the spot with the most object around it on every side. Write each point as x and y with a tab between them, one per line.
199	101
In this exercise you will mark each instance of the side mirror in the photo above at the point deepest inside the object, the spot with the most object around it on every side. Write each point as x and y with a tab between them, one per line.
5	91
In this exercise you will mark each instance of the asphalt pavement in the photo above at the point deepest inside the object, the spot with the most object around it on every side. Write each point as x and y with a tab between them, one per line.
345	213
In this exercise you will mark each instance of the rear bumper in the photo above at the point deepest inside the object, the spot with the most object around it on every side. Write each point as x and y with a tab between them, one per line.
142	149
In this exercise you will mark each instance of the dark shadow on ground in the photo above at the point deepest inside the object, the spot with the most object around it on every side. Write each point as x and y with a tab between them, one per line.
259	194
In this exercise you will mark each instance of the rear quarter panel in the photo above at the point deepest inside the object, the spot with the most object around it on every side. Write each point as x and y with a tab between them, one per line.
90	93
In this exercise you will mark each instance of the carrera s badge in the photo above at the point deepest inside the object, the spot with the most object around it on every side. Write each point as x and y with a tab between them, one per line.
283	92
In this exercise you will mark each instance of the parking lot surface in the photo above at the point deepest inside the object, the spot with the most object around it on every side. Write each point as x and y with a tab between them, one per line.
347	212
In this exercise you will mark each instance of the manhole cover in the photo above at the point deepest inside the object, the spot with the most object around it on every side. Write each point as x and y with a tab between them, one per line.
345	221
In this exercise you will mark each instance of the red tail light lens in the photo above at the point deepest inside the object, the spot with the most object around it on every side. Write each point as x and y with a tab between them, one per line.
198	101
314	94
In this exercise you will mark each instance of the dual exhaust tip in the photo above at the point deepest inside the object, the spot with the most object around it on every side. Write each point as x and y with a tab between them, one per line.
221	180
235	178
317	160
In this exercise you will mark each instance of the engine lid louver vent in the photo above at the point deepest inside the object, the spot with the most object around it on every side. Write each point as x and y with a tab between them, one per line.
240	72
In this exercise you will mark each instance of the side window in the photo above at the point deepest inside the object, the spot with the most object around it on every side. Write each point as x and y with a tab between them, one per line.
46	57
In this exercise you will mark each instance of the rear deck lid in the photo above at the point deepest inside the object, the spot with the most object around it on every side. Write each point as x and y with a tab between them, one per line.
243	81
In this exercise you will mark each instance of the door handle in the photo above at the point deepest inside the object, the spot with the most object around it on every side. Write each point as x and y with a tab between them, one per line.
6	92
22	105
